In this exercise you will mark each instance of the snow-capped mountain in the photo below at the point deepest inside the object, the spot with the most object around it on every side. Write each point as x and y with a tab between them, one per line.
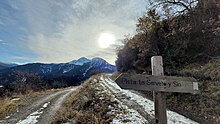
71	73
80	61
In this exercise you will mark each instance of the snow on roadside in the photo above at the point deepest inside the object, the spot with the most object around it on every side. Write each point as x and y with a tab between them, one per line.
32	118
128	116
46	104
148	105
133	118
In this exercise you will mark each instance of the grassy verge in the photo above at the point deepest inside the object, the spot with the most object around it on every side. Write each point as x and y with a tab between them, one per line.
208	71
89	104
206	105
11	104
7	106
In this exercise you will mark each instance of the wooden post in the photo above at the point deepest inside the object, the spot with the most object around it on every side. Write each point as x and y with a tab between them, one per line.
159	97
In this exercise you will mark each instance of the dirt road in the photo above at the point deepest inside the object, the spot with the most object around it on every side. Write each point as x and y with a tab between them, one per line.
41	111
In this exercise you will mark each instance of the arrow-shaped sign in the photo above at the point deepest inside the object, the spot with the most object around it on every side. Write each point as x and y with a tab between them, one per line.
157	83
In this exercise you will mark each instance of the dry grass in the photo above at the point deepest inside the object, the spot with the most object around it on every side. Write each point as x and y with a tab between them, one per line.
86	106
210	70
7	106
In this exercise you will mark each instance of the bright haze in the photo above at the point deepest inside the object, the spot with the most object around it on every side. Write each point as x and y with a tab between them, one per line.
54	31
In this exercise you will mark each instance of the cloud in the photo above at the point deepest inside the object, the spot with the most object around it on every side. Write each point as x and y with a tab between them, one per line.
3	43
21	57
61	31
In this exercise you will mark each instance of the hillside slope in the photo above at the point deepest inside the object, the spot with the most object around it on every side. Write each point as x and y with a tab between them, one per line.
101	100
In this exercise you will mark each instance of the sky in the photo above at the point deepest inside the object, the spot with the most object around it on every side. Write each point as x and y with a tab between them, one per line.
57	31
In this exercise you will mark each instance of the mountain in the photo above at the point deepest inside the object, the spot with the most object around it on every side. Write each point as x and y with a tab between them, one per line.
6	65
70	73
80	61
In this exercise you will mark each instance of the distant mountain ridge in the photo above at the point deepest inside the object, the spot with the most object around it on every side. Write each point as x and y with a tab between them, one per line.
4	65
71	73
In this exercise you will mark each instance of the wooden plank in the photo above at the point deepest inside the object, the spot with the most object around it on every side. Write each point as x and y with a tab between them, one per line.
157	83
159	97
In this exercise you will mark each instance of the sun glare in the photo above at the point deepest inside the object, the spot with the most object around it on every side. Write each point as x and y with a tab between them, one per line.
106	39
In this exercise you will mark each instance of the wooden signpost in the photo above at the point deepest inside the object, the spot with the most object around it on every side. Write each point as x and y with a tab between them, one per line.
159	84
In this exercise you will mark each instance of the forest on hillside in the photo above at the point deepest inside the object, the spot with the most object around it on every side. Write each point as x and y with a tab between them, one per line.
186	33
182	31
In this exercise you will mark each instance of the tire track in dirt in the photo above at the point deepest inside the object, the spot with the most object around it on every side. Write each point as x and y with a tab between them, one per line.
41	111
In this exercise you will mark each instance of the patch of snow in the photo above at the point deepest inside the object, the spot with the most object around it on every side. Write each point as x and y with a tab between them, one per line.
97	62
95	80
15	99
64	71
17	109
84	74
46	69
69	68
132	116
1	86
7	117
129	116
147	104
24	79
32	118
80	61
46	104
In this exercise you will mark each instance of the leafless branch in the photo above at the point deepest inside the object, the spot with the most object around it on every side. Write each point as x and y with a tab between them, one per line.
178	3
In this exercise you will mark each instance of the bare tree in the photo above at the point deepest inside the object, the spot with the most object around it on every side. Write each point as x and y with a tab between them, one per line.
179	6
27	81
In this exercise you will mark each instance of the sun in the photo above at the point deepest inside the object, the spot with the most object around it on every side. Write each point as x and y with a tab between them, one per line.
106	39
